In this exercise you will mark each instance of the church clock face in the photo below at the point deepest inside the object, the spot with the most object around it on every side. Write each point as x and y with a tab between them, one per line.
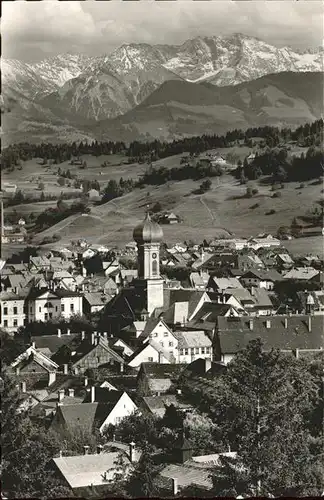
154	255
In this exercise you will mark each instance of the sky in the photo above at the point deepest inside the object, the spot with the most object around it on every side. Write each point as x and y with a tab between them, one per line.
32	31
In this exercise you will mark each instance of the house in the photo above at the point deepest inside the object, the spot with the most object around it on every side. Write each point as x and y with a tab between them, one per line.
8	188
262	305
45	304
39	263
193	345
36	364
284	261
302	274
157	330
248	260
89	474
263	241
221	284
150	352
206	317
181	305
199	280
169	218
94	195
88	416
52	343
154	379
292	334
260	278
12	310
95	301
92	353
157	405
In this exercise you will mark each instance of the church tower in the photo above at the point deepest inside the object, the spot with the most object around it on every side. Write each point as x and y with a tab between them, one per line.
148	236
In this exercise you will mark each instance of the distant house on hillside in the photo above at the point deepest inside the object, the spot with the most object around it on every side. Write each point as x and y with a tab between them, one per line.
9	188
169	218
94	195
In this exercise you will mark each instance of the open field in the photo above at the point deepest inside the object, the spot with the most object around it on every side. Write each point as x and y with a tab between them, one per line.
222	210
302	246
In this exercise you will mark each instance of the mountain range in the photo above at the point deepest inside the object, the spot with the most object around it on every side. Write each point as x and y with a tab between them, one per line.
90	94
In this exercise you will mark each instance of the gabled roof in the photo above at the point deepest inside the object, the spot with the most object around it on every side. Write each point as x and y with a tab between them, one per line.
156	403
263	275
86	347
261	298
87	470
235	333
31	354
301	273
86	415
97	298
147	345
159	371
53	342
192	339
191	296
225	283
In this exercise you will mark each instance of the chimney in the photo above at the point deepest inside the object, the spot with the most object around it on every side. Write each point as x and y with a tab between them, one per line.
251	324
60	395
132	451
179	391
99	448
309	323
86	380
82	335
92	394
85	449
286	322
71	393
68	331
34	345
93	339
60	453
297	353
23	386
268	323
51	377
114	437
97	340
174	486
104	335
65	369
59	332
17	370
121	367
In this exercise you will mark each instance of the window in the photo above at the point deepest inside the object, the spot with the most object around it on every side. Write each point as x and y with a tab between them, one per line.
98	359
40	309
181	352
31	309
71	307
56	308
50	315
46	316
207	350
161	343
15	322
192	350
15	310
202	350
197	350
5	323
155	334
150	359
166	334
118	420
186	351
5	311
170	344
154	268
62	307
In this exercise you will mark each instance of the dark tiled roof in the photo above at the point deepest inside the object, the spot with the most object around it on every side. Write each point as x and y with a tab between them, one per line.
235	333
53	342
85	415
181	295
159	371
160	402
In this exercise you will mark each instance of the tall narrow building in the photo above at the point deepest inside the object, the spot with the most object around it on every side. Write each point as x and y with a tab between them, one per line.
148	236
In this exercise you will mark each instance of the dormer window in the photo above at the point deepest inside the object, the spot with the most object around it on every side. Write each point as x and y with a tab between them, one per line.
49	305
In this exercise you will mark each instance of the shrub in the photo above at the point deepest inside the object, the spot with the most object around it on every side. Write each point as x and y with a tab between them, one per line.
277	195
256	205
270	212
61	181
255	191
249	192
301	186
56	237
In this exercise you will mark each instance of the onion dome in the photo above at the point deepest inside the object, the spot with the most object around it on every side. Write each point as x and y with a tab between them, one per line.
148	231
